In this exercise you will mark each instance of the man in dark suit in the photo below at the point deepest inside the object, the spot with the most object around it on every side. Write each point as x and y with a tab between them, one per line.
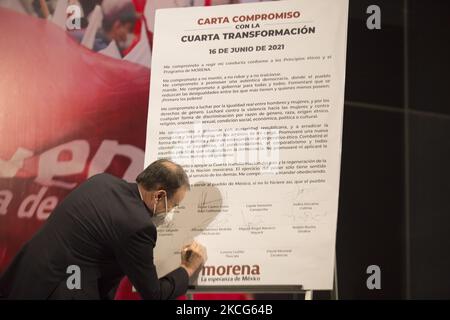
100	232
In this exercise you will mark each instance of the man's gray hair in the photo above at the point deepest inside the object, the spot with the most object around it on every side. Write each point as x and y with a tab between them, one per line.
163	174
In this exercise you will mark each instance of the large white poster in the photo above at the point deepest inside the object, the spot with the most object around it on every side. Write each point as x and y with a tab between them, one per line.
249	100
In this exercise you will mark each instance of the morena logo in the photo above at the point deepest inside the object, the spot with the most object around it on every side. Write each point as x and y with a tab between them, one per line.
235	270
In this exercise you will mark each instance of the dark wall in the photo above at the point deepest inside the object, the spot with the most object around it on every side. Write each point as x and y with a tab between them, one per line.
429	148
394	208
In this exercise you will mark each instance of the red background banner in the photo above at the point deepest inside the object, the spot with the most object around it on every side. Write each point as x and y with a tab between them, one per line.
66	113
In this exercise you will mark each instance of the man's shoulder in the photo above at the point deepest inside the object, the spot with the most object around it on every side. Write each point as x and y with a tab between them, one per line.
122	200
105	177
102	186
104	180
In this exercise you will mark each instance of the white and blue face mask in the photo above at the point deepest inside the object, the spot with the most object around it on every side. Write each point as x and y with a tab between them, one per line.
162	218
158	219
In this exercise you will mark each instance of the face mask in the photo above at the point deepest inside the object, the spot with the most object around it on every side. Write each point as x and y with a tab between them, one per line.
154	207
161	218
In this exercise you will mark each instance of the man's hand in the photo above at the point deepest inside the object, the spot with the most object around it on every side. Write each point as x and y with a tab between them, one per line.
193	256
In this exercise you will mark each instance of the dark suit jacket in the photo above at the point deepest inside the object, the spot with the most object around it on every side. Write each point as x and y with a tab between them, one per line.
105	229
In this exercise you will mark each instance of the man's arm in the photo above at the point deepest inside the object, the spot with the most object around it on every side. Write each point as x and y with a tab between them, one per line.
135	256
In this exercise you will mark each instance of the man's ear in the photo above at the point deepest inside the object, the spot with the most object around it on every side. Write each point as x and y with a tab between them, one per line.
161	193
